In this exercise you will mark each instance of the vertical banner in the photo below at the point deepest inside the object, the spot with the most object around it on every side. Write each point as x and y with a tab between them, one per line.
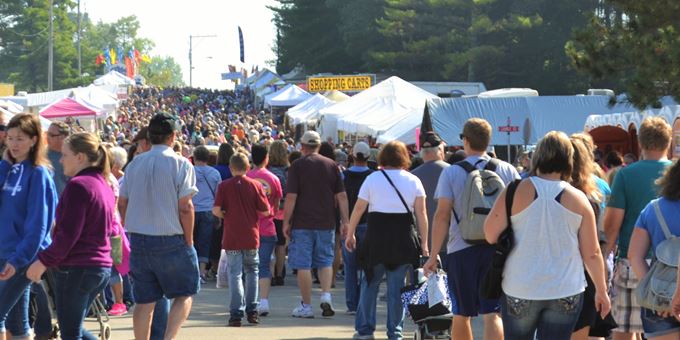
418	138
129	68
240	41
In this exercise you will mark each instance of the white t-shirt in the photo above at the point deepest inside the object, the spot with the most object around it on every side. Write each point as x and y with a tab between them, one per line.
382	197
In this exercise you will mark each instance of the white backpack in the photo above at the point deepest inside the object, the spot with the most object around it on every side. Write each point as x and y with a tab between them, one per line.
482	188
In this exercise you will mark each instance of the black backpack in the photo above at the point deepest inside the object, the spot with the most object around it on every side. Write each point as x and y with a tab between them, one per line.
353	181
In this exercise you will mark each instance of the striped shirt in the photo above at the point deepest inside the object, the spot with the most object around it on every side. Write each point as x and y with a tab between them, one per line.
153	184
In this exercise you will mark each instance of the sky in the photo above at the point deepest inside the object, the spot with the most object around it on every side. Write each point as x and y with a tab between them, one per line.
169	24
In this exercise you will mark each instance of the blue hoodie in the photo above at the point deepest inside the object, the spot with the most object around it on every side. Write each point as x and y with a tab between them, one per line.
27	203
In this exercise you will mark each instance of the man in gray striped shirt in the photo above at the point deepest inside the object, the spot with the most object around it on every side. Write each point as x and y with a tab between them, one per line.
156	207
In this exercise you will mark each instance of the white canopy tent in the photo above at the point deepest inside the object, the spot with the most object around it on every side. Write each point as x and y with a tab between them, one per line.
114	78
308	110
11	106
404	130
99	97
374	110
44	122
290	96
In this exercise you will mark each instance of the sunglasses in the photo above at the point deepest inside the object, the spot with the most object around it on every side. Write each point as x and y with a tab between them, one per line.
461	136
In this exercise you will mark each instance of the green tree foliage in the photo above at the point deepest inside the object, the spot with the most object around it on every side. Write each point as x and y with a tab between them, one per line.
637	42
163	72
518	43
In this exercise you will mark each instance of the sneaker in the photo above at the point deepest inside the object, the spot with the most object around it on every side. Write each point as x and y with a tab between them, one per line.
203	279
363	337
234	323
302	312
263	308
118	309
253	318
351	312
326	306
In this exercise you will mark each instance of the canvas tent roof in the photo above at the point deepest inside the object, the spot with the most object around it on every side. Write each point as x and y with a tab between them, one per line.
624	117
44	122
11	106
336	96
290	96
535	116
98	97
309	109
114	78
404	130
70	107
374	110
263	82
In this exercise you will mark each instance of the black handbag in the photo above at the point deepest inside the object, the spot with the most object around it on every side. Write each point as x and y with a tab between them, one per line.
490	287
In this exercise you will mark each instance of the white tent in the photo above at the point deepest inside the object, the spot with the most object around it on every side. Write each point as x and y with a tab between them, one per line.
99	97
114	78
11	106
405	130
272	94
290	96
44	122
308	110
374	110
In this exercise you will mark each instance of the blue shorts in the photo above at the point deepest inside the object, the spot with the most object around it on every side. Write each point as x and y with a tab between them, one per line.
466	269
311	248
267	244
162	266
655	325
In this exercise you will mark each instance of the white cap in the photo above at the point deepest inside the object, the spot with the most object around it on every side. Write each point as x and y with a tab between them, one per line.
361	148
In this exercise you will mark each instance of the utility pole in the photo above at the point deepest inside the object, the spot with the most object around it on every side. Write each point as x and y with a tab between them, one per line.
80	69
50	51
191	61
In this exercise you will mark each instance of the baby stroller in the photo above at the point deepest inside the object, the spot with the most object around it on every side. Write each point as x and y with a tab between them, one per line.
97	309
431	322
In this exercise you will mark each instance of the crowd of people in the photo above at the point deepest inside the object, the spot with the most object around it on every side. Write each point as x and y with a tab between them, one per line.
184	181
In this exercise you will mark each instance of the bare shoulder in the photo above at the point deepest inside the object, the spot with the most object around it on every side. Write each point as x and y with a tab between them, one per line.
575	200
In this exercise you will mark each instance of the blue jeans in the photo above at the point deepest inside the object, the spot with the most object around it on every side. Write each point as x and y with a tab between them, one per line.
204	224
162	266
365	319
14	291
75	289
548	319
352	271
267	244
42	324
242	261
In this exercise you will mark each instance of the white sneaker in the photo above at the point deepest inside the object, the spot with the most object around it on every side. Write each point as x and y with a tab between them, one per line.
302	312
263	308
363	337
326	306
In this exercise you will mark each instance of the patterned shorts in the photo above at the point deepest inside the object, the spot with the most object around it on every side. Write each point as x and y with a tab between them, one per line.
625	307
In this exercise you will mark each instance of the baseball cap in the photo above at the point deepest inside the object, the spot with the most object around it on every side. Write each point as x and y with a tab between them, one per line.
361	148
430	139
311	138
162	124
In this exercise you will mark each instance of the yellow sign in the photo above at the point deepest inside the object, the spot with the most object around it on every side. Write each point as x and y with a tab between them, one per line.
6	90
341	83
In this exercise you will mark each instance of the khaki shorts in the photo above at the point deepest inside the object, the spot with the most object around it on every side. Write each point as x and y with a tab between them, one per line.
625	308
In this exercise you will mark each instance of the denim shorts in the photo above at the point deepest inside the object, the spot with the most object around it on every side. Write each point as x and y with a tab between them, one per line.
267	244
162	266
547	319
311	248
655	325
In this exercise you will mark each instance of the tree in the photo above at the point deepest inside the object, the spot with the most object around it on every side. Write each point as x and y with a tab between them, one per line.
636	43
163	72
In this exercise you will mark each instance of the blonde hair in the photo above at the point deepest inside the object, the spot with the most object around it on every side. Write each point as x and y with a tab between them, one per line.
654	134
554	154
477	131
278	153
582	172
90	145
239	162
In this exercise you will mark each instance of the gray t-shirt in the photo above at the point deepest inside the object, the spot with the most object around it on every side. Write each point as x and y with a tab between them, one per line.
429	173
451	186
57	171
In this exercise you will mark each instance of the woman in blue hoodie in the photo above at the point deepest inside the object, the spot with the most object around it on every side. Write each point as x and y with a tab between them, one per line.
24	230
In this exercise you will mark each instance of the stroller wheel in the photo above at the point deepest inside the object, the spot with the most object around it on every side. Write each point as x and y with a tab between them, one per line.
105	332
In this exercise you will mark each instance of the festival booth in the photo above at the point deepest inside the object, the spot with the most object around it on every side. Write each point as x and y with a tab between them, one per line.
83	112
522	120
99	98
115	82
405	130
265	83
374	110
336	96
618	130
33	102
10	106
289	96
307	112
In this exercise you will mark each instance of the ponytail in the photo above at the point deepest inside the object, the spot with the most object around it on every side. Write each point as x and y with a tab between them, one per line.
103	162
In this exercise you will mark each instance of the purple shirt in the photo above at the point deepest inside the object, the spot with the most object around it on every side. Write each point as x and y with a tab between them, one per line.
84	221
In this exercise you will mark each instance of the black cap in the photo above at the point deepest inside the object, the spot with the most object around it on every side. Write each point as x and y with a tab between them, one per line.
162	124
430	139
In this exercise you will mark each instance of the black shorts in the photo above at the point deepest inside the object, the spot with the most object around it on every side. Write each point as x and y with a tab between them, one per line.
280	238
588	312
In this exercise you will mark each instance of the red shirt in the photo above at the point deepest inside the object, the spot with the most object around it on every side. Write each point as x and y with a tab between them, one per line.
241	198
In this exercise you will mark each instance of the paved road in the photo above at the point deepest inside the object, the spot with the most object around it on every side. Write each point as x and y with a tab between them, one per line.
209	316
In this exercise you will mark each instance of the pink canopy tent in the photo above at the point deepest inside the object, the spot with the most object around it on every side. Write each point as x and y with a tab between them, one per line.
70	107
